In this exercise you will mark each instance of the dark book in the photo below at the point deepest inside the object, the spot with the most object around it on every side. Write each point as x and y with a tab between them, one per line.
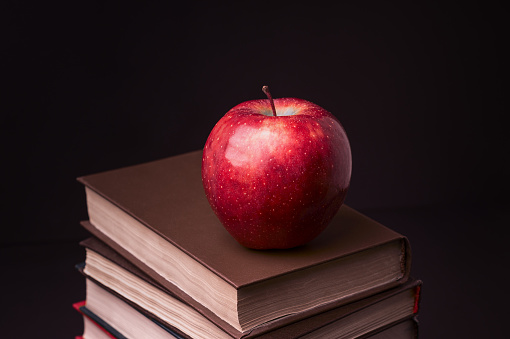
128	299
93	326
157	216
407	329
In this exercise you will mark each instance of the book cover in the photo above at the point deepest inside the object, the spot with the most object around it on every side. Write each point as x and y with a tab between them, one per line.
156	215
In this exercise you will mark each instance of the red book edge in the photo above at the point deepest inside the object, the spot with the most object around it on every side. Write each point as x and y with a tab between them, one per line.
417	299
77	306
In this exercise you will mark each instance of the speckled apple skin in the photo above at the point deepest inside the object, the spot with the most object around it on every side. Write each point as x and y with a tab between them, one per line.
276	182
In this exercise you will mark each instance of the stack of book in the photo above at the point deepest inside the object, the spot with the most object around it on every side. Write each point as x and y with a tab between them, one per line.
159	264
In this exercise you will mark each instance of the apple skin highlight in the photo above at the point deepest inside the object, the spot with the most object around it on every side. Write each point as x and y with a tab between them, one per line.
275	182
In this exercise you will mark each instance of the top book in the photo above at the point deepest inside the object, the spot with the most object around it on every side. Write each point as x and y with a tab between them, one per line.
157	216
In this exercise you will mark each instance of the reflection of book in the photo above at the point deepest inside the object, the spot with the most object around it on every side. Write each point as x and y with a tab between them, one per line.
114	283
156	215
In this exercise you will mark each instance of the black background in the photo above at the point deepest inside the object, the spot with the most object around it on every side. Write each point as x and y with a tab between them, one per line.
93	86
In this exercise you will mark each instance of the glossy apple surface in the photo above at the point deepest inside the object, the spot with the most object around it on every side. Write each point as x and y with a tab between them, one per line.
276	182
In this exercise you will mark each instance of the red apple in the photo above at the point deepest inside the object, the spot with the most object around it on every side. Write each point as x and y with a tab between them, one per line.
276	171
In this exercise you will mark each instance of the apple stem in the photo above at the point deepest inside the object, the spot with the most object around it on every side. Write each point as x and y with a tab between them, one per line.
265	89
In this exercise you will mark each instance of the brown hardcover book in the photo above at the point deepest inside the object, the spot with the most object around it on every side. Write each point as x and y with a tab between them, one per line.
124	296
115	318
157	216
